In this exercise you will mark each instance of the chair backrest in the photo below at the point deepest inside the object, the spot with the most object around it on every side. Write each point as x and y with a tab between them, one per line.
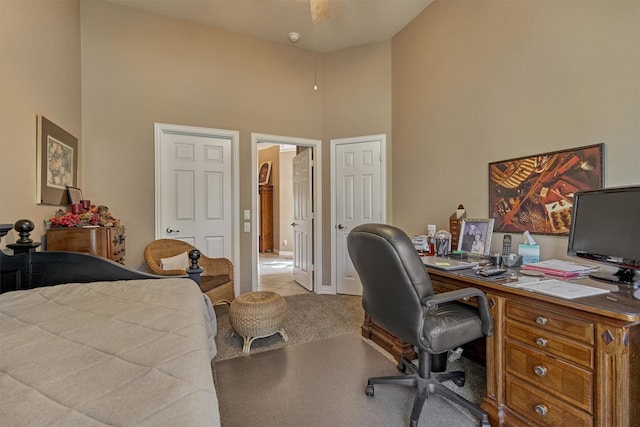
394	280
164	248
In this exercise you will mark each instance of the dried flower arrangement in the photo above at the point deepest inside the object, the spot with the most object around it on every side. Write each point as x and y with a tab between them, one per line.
95	216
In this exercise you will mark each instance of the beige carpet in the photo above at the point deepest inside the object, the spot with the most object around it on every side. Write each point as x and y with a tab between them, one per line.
321	383
311	317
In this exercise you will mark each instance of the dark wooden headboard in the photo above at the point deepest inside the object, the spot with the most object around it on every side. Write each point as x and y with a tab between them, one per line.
28	268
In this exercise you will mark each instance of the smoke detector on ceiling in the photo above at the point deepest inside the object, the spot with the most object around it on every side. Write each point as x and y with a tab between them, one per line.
294	37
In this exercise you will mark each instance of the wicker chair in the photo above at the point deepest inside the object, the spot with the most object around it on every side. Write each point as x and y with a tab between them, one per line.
216	280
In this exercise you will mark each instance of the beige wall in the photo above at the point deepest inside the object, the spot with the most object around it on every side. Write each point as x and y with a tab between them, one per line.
472	82
356	95
140	68
39	75
478	82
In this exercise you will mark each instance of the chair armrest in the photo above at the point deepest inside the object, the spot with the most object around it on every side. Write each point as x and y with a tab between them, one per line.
216	266
465	293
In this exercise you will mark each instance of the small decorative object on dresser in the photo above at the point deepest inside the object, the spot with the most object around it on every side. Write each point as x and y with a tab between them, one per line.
75	194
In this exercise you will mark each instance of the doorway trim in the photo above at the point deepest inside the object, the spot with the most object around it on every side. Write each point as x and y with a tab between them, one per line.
316	144
233	136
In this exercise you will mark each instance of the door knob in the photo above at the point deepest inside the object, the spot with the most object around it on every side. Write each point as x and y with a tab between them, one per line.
293	224
171	230
342	227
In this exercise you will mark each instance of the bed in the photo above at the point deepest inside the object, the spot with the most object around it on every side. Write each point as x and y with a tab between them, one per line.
87	342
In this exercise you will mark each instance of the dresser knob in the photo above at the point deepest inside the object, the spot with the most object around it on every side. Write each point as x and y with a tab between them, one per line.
541	410
541	342
541	320
540	371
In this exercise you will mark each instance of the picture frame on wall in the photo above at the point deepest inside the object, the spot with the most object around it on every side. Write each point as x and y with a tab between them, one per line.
535	193
475	235
264	173
57	163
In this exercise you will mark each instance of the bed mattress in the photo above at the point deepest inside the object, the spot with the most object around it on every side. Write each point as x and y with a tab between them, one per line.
124	353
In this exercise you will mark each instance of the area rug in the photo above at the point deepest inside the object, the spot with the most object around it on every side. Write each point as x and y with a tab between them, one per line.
322	383
311	317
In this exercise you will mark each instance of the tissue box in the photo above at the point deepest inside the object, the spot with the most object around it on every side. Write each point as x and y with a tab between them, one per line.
530	253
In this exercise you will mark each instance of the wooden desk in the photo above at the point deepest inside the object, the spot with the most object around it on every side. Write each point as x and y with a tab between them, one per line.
550	361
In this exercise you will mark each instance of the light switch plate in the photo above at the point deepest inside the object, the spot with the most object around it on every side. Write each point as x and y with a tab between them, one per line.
247	227
247	214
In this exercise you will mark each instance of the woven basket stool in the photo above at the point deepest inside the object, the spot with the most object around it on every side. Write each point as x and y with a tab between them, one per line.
258	315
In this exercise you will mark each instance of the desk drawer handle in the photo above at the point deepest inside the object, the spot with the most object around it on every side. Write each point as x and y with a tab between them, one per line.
541	320
541	410
541	342
540	371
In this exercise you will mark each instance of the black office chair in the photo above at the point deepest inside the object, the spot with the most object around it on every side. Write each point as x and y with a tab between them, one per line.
397	293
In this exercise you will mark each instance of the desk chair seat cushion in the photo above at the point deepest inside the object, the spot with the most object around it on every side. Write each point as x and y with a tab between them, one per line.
449	326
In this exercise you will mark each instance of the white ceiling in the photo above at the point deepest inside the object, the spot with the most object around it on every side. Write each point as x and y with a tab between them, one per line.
351	22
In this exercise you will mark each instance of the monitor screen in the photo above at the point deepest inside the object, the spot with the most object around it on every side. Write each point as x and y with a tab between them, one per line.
605	227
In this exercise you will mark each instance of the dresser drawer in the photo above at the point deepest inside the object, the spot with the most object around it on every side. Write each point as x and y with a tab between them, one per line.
106	242
554	344
550	321
569	383
541	408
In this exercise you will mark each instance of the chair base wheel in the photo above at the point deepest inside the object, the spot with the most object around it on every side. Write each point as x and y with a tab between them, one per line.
401	367
369	391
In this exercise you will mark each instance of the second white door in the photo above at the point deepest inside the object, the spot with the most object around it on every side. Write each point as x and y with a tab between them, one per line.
358	183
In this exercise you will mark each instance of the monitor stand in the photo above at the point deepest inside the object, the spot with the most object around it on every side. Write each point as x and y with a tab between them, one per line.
624	276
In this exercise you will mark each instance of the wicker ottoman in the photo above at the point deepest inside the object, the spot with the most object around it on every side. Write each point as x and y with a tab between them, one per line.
257	315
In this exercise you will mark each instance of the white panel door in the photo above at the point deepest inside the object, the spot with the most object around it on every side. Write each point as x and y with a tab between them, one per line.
303	218
358	200
196	192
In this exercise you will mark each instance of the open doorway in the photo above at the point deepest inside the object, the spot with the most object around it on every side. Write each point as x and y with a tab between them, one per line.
275	219
316	223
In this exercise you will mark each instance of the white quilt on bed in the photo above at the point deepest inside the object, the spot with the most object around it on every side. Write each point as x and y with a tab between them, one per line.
108	354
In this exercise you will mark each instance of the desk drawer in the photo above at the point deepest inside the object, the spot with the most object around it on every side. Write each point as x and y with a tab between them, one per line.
554	344
557	323
569	383
543	409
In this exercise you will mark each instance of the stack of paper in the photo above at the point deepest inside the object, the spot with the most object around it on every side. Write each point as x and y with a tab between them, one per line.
560	268
566	290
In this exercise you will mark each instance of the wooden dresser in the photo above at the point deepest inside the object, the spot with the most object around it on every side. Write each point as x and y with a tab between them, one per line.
551	361
106	242
266	218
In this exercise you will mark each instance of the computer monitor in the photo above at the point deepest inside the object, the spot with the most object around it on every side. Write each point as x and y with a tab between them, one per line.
605	228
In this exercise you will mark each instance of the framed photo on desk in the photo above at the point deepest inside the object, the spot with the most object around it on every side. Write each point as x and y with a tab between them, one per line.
475	235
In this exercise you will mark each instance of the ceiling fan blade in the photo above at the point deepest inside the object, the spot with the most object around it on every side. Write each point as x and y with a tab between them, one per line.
319	10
